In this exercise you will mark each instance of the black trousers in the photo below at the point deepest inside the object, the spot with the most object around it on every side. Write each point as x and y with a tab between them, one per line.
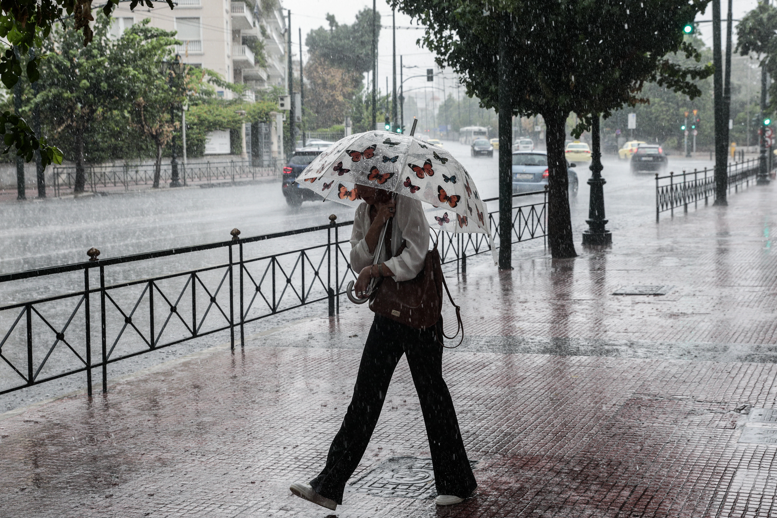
386	343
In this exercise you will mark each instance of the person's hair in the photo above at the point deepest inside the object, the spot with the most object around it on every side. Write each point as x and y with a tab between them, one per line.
381	195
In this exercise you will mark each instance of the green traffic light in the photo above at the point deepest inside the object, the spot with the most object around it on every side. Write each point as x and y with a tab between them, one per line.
399	130
688	28
767	121
693	126
682	127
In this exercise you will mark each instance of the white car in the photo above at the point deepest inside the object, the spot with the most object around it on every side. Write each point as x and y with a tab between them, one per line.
523	144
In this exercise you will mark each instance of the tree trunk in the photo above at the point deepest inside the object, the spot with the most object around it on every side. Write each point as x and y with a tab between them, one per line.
80	181
157	164
559	218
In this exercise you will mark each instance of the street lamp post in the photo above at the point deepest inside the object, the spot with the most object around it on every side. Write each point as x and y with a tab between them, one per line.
173	68
597	234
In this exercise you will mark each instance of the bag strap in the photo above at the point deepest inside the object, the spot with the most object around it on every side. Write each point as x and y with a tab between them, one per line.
459	323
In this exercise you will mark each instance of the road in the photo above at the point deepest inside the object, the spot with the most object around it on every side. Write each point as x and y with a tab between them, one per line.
37	234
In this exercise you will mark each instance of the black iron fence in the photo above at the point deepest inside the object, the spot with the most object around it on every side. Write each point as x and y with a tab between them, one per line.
129	175
109	318
674	191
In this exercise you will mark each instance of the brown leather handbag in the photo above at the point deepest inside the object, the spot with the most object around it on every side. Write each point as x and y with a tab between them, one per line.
417	302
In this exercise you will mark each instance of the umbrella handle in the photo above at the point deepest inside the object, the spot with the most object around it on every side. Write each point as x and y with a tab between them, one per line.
349	292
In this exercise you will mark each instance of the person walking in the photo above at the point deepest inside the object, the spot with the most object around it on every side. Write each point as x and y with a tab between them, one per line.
388	340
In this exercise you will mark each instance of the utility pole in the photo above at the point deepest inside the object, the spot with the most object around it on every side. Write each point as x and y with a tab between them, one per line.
727	79
374	66
763	173
720	145
685	134
301	90
388	108
401	97
292	112
394	64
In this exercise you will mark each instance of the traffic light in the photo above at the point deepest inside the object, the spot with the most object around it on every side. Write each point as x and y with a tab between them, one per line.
689	28
399	130
693	124
767	121
698	120
430	74
387	124
682	127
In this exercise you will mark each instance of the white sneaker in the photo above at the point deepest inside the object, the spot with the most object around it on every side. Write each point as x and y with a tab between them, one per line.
448	500
303	490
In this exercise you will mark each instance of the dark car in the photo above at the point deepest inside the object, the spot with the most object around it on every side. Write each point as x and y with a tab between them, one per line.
295	193
482	146
648	158
530	172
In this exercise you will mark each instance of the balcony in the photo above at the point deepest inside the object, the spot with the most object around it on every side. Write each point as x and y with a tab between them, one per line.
254	74
242	56
189	47
249	95
242	18
189	3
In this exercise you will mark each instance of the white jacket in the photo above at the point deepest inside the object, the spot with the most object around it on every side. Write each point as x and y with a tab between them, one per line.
409	225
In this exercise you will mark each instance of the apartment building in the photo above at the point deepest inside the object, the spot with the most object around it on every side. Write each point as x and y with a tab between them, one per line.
220	35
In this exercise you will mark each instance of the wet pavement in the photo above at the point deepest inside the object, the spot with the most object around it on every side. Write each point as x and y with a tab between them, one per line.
573	401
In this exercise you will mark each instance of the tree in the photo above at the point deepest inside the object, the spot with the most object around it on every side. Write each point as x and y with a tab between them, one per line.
24	24
332	89
756	33
77	86
565	56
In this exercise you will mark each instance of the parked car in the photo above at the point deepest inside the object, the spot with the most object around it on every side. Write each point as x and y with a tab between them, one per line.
481	146
434	142
648	158
530	172
495	143
523	144
295	193
578	152
626	152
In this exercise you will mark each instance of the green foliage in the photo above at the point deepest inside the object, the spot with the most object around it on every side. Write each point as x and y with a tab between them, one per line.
347	47
23	25
756	33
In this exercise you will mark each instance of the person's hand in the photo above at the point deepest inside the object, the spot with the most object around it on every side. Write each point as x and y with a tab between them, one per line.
385	212
362	282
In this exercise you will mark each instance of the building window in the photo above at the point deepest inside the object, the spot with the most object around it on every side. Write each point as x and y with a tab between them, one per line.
119	25
190	33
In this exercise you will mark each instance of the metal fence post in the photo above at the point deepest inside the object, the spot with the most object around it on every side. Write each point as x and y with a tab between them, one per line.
88	332
194	304
658	203
671	192
706	189
103	333
152	331
337	270
30	379
330	293
242	310
232	291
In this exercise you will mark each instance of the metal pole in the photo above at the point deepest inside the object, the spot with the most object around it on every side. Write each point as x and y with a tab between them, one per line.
401	98
17	105
596	234
39	169
183	136
292	113
763	174
505	159
394	65
374	66
727	79
301	90
720	135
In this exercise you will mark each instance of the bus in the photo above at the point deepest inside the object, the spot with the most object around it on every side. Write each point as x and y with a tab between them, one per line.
470	133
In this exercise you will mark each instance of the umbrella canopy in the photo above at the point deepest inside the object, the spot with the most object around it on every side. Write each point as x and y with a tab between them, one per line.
404	165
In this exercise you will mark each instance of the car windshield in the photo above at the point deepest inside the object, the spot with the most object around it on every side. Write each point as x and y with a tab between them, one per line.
525	142
578	146
530	160
302	158
647	151
481	142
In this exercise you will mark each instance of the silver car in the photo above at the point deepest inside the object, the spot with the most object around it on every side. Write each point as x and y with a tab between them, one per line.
530	172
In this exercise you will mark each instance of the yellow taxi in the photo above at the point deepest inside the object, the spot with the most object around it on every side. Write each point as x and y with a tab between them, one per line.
495	143
628	149
578	152
435	142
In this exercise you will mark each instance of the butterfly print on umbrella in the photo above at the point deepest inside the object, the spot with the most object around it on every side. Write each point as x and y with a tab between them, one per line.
452	200
376	176
366	154
409	185
327	185
451	179
345	194
462	221
424	170
438	157
466	186
340	170
442	220
480	216
393	159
